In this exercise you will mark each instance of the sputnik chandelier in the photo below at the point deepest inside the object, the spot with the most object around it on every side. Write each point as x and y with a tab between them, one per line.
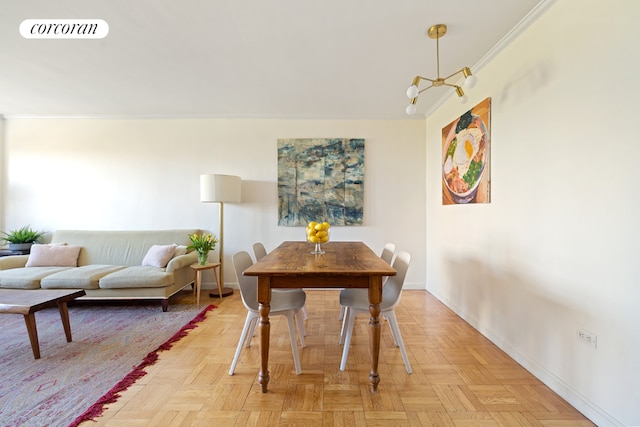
435	32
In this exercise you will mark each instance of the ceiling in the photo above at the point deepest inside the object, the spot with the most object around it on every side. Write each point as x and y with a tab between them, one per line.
329	59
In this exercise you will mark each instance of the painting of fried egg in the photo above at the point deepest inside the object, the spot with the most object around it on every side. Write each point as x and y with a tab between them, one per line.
466	157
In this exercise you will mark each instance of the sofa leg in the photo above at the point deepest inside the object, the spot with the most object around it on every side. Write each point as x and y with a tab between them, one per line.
165	304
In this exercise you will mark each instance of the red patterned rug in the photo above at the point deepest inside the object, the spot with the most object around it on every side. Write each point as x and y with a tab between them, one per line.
71	382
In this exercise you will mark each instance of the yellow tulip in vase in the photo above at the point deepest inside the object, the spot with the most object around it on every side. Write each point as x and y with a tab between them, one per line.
202	244
318	233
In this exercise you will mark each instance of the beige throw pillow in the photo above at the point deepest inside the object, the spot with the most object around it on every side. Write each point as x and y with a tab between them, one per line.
180	250
53	255
159	255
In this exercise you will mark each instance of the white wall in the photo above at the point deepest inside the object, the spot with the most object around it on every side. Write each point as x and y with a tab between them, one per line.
144	174
2	173
556	249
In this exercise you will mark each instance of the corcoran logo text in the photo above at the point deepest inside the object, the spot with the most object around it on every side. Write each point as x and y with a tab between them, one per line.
64	29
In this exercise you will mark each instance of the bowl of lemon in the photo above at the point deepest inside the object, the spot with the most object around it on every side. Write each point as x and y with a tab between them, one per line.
318	233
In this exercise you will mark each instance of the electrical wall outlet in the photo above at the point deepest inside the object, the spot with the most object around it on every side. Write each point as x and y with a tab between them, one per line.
587	337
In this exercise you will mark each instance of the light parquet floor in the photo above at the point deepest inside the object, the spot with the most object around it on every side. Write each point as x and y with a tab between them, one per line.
459	377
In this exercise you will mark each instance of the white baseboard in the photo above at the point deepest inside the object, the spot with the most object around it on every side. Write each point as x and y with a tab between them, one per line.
210	286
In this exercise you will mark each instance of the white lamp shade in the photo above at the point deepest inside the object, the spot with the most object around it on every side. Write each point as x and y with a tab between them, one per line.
412	92
470	82
220	188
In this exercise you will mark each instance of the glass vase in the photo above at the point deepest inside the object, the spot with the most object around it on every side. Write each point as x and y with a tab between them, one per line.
203	257
317	250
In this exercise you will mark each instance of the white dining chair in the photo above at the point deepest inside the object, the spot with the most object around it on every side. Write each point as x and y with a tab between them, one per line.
260	251
288	304
387	254
357	301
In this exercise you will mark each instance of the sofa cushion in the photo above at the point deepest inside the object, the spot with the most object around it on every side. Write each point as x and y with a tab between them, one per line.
85	277
137	277
55	255
26	278
159	255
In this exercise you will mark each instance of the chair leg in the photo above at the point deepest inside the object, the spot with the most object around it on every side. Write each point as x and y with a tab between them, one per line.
350	320
294	343
245	330
301	329
302	326
395	330
393	333
341	315
344	313
252	331
305	312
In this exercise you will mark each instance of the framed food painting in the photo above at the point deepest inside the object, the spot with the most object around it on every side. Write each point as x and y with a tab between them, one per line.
466	157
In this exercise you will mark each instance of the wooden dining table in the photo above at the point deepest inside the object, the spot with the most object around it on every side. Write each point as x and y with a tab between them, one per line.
343	265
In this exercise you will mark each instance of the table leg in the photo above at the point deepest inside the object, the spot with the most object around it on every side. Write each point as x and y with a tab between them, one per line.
64	316
375	298
264	300
196	290
30	321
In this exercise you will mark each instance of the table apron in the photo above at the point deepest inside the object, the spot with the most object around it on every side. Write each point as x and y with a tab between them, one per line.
305	281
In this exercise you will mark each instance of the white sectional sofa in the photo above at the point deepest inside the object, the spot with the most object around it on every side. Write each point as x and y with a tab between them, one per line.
141	264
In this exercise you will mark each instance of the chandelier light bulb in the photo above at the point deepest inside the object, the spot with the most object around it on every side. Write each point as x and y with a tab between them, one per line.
412	92
411	109
470	82
463	99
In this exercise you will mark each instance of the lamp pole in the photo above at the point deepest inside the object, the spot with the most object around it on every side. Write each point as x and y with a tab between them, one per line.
225	291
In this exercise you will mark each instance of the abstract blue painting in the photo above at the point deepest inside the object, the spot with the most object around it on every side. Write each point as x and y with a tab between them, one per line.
320	179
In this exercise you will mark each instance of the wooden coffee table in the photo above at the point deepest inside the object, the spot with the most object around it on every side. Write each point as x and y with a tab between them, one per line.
27	302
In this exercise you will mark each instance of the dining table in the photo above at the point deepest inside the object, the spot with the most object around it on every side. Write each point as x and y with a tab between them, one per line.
342	265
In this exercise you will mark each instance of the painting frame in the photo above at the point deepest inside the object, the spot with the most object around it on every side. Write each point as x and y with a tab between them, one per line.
321	179
466	157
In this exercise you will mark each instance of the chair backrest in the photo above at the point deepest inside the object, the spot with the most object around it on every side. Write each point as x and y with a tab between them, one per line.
392	289
259	250
248	284
388	252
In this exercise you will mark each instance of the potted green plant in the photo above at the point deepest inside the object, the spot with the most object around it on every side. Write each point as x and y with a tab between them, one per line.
22	238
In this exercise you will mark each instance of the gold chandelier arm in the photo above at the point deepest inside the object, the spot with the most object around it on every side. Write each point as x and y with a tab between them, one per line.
417	79
457	72
428	87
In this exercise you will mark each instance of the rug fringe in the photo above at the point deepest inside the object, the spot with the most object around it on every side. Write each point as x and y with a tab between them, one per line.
138	372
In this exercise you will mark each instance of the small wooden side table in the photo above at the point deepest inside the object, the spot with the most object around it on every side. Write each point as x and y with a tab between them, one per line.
215	266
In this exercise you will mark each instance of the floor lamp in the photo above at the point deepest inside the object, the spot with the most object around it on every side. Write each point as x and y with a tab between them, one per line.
220	189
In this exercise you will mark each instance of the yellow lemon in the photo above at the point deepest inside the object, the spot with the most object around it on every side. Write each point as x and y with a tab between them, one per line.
312	224
324	239
322	233
313	239
326	225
